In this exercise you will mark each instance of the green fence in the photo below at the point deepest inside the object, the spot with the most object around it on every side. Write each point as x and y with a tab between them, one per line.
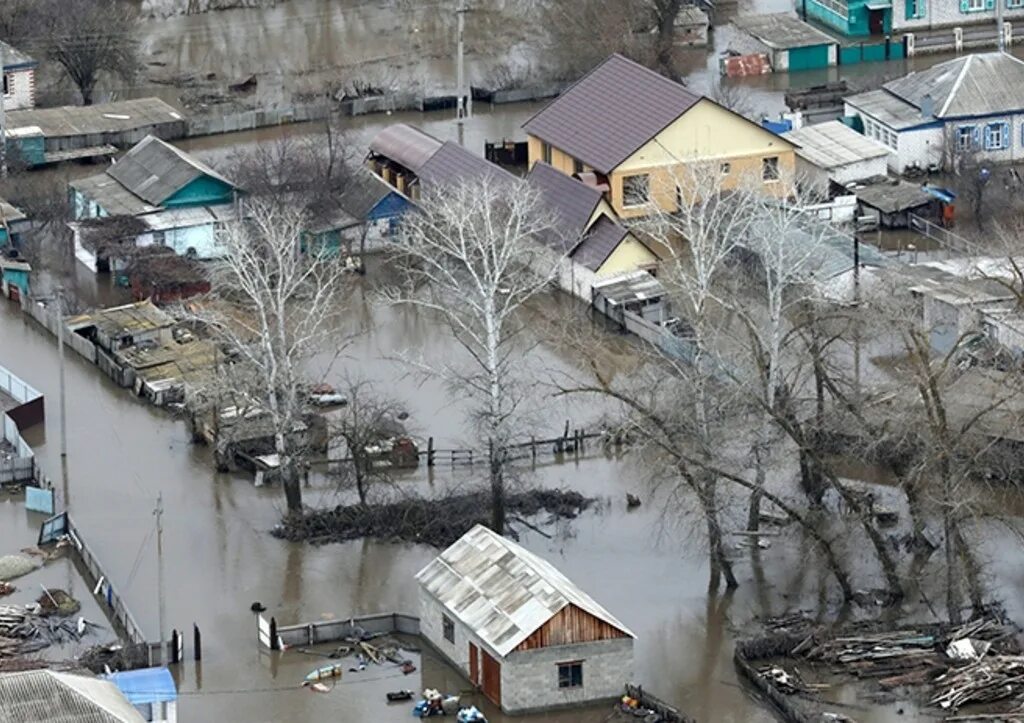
870	52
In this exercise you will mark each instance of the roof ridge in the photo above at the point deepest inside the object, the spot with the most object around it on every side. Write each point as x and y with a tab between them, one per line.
956	86
573	85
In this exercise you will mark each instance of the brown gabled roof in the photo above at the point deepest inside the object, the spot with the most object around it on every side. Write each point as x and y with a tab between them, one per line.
406	145
572	201
611	112
599	243
452	164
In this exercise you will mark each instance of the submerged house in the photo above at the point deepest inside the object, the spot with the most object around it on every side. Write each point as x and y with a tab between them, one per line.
968	108
365	214
518	628
155	194
627	128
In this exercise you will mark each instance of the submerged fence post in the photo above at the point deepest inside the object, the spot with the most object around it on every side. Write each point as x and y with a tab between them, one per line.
175	656
430	452
273	634
197	643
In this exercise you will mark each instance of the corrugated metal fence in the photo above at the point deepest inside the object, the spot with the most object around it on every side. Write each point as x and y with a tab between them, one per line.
21	467
329	631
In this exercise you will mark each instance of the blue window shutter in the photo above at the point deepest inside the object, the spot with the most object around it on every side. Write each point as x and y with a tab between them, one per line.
988	138
990	4
977	136
964	7
1007	141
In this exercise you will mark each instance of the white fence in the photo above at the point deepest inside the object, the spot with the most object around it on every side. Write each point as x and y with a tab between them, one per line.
42	313
329	631
21	467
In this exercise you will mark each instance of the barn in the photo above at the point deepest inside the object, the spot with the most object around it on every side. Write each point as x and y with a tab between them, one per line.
519	629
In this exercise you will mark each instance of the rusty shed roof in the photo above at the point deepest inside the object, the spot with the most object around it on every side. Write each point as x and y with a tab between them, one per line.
611	112
406	145
501	591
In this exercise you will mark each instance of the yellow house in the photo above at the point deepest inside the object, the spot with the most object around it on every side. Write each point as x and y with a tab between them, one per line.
633	131
587	233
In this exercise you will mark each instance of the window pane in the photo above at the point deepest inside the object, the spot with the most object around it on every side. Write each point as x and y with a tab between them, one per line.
448	628
636	190
770	168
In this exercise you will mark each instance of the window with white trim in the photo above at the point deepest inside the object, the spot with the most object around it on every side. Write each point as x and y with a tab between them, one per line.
1011	4
997	136
972	6
965	138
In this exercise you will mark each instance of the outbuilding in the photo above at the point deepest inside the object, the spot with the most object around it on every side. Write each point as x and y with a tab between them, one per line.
518	628
833	152
790	43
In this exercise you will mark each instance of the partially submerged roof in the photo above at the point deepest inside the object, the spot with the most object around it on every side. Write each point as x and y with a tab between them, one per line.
73	120
154	170
149	685
691	15
452	164
44	696
780	31
893	196
14	59
611	112
834	144
362	194
406	145
501	591
976	84
127	319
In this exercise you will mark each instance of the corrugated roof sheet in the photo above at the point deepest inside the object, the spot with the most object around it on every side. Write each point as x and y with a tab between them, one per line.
149	685
137	317
972	85
501	591
452	164
611	112
73	120
11	213
834	144
406	145
599	243
364	191
892	197
572	202
782	31
43	696
887	109
115	199
154	170
14	58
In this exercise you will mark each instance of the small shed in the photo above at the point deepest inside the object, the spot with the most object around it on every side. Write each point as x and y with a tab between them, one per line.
833	152
518	628
691	26
12	222
151	691
14	277
791	44
120	327
893	201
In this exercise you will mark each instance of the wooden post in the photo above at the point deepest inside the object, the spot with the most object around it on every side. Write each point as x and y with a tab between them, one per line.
175	639
197	643
273	635
533	449
583	440
430	451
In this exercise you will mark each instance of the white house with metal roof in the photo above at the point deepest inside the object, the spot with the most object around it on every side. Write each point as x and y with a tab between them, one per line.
832	152
159	195
518	628
19	78
968	107
45	696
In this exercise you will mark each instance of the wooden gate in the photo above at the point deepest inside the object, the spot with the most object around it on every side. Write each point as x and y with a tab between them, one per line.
474	665
491	682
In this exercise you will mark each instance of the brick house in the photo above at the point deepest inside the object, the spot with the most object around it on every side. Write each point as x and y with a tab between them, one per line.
519	629
19	78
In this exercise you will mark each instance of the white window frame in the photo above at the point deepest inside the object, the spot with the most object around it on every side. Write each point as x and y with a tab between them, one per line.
974	6
1014	4
964	138
991	145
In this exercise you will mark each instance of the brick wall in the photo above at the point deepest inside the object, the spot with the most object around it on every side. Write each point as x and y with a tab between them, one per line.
22	90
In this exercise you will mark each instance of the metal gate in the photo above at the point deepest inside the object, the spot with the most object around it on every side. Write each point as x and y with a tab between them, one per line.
812	57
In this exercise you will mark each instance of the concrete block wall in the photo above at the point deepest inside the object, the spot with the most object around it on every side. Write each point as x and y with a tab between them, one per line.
529	679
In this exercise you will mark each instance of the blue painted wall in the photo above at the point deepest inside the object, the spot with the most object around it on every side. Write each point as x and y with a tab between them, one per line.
203	191
854	25
17	278
390	206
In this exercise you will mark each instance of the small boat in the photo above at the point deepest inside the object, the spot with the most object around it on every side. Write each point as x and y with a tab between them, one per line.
397	695
326	672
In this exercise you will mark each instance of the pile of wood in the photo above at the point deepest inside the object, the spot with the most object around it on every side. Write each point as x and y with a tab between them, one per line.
987	680
24	629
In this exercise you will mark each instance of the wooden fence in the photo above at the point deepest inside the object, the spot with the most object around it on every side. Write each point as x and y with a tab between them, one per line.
39	310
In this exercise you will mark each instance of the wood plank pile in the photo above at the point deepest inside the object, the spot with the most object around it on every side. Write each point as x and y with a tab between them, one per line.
24	630
990	679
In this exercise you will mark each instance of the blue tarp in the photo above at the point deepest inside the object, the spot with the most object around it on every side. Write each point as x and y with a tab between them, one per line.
777	127
943	194
39	500
149	685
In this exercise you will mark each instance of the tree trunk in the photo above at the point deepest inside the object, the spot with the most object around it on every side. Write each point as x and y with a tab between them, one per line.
497	489
720	565
972	570
289	479
754	510
952	584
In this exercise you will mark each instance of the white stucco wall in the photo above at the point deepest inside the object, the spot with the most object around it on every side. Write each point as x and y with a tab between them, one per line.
529	680
947	13
21	86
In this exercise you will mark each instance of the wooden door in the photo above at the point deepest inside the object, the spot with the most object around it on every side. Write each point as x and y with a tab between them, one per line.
491	682
474	665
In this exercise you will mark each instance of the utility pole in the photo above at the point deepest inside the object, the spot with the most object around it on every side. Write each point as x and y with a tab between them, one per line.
159	513
1000	28
857	320
463	104
3	118
60	356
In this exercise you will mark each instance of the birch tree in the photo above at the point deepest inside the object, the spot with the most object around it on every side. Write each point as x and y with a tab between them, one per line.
472	255
273	308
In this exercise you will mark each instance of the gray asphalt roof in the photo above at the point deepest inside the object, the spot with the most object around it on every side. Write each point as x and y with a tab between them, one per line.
572	201
887	109
834	144
71	120
781	31
970	85
610	113
406	145
889	197
43	696
115	199
14	58
601	240
452	164
154	170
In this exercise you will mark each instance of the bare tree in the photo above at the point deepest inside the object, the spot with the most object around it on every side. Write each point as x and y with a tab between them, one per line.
472	255
89	38
272	307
